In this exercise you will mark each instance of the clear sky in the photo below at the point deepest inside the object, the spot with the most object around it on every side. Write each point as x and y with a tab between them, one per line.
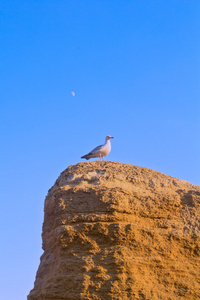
134	69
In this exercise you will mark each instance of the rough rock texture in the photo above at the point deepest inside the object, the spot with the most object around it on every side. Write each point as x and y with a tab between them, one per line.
116	231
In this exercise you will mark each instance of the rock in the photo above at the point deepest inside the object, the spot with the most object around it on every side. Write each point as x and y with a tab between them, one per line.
117	231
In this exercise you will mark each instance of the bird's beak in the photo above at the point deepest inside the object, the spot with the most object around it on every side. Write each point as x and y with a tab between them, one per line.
112	137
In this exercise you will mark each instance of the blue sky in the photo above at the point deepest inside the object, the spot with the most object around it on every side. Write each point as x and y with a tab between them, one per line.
134	69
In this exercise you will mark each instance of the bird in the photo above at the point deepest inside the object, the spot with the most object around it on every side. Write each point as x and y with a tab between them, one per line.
101	150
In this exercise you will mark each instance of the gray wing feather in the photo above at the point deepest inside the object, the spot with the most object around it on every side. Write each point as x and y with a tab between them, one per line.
95	149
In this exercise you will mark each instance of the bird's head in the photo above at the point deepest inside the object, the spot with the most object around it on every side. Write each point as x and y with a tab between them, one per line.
109	137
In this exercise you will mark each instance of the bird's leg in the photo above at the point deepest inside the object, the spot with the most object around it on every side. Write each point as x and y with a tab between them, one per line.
103	157
100	157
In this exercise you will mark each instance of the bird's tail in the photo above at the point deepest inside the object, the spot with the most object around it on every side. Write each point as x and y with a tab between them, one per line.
86	156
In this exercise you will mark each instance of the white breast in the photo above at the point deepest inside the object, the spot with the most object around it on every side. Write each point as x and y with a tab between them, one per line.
106	149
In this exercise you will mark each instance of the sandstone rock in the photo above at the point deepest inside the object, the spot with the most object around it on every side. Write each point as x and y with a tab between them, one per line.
116	231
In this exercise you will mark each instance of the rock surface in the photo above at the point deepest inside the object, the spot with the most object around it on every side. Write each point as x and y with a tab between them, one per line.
116	231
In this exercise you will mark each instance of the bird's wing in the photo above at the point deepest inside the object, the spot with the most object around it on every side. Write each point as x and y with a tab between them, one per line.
95	149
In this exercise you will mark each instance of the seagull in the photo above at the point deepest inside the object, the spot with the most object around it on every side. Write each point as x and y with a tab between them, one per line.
100	151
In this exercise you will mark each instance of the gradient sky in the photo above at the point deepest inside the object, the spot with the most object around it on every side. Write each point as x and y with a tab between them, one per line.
134	69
